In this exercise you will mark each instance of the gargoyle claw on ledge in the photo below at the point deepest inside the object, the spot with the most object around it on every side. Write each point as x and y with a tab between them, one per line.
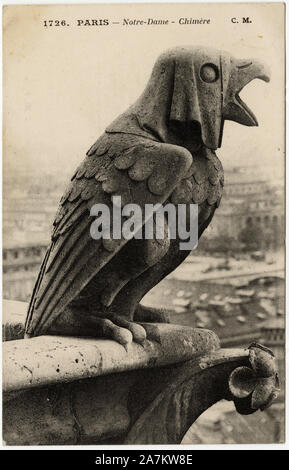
256	387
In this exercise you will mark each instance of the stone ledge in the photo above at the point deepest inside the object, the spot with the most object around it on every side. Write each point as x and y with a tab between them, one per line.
49	360
68	390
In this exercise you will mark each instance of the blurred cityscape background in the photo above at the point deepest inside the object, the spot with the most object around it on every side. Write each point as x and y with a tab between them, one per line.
233	283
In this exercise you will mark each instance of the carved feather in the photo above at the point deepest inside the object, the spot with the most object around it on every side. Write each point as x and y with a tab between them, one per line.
75	257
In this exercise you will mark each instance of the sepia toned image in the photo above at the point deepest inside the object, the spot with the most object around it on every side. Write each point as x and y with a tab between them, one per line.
143	224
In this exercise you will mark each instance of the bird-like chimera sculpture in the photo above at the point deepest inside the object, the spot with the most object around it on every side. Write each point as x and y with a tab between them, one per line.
162	149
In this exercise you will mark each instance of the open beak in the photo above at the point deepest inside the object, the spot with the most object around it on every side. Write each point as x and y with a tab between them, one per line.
242	73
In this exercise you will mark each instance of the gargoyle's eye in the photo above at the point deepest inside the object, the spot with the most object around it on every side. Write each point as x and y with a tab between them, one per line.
209	73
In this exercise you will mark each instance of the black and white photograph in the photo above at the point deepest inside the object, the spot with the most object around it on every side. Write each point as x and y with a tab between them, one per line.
143	279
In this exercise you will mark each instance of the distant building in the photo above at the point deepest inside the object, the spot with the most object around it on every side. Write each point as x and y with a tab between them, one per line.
20	267
27	221
250	201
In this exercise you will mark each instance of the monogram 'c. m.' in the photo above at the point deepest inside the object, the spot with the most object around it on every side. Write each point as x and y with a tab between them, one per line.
162	149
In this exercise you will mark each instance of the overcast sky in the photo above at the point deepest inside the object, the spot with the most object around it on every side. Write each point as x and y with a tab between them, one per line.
63	86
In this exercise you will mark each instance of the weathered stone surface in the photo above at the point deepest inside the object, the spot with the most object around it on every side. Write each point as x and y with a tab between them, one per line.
195	386
145	406
65	390
47	403
47	360
86	411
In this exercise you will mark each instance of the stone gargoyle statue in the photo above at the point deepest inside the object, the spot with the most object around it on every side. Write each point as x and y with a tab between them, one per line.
162	149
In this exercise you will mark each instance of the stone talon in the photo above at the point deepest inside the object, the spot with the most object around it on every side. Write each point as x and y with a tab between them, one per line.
119	329
109	329
121	335
138	332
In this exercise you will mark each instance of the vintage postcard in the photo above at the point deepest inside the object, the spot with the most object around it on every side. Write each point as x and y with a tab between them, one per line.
144	225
